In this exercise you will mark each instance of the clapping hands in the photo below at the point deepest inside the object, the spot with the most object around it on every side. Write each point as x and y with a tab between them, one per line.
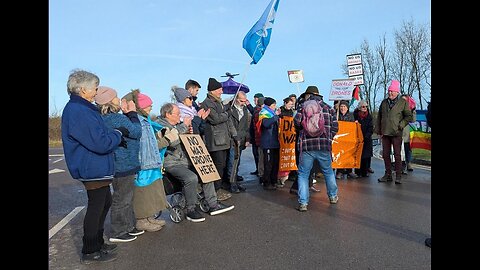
202	113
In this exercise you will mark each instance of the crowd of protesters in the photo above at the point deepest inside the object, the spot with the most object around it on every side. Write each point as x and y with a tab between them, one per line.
116	141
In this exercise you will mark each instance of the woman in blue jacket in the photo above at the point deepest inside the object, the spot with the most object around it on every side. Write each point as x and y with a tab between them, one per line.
127	163
88	145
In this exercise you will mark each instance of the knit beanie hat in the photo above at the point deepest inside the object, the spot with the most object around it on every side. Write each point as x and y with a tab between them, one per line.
180	94
394	86
213	84
269	101
104	95
144	101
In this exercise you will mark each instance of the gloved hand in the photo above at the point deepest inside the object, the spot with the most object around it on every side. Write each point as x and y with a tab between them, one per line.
124	131
123	143
162	132
171	135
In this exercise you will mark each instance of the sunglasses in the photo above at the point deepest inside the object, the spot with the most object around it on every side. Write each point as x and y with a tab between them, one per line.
191	98
363	106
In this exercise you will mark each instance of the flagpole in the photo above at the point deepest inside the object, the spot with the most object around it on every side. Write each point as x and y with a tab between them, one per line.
245	71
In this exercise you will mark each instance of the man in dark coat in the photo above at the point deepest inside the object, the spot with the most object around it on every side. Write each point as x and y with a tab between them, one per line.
238	113
393	115
219	131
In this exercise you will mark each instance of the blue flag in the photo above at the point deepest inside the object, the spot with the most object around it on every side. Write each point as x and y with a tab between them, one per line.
257	39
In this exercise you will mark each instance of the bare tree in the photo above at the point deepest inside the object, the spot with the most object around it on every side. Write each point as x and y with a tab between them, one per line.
371	71
412	59
384	63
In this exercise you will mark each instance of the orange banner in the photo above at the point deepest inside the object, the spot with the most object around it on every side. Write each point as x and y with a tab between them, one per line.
347	146
286	137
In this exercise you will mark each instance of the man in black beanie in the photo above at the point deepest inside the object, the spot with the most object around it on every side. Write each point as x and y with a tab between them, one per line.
219	132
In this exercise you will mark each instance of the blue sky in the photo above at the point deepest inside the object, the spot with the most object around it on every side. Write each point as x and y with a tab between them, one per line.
153	45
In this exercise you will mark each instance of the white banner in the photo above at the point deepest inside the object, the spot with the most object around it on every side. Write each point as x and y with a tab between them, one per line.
342	89
358	80
355	70
354	59
295	76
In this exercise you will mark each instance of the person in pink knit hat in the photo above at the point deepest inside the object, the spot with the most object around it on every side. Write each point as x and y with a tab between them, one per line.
149	196
393	115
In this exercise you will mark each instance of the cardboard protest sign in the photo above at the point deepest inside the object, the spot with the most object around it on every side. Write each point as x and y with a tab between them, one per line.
347	146
201	160
286	137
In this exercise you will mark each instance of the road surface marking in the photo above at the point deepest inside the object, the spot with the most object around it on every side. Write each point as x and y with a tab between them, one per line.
64	221
55	171
57	160
56	155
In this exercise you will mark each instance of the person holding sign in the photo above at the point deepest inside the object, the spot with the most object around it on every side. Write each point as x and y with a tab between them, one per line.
178	165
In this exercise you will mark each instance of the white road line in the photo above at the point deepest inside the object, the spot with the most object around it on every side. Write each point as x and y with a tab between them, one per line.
55	171
57	160
56	155
64	221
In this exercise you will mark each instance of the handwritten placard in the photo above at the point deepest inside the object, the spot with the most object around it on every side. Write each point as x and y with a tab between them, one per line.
201	160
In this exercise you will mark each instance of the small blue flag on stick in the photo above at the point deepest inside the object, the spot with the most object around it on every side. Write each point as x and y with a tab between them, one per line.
257	39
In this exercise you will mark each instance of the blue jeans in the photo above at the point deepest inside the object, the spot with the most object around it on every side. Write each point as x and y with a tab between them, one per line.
305	165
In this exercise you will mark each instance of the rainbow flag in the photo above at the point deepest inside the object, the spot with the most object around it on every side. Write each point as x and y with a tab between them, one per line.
266	112
421	137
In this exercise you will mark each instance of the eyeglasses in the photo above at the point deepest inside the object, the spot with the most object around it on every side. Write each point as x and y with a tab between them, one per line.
363	106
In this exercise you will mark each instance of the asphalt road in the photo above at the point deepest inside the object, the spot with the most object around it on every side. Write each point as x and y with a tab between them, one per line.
373	226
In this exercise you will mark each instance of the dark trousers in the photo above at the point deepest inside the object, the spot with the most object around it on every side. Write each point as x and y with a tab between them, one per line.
408	152
387	142
121	214
255	155
219	158
99	202
271	158
364	165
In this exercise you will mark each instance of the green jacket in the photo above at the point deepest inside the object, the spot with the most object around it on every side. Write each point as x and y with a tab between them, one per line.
391	122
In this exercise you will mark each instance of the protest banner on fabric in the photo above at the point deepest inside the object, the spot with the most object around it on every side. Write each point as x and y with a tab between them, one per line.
347	146
420	137
286	137
198	154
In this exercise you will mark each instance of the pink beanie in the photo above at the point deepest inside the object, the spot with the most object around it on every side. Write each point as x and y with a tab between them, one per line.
411	103
104	95
144	101
394	86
